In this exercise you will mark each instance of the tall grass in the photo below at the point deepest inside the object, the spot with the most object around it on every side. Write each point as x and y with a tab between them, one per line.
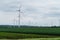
6	35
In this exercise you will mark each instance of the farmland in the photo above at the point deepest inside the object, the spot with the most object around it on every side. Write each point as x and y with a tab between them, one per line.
29	32
52	31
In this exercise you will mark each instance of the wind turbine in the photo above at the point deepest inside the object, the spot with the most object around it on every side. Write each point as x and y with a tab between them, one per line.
19	11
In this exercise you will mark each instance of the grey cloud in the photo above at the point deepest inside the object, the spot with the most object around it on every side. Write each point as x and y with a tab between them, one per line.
53	14
34	9
55	8
9	7
31	9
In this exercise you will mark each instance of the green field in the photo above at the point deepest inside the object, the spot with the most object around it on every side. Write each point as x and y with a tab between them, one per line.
34	39
6	35
24	33
32	30
42	39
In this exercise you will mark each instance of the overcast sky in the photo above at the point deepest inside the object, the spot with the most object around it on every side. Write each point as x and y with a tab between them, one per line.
33	12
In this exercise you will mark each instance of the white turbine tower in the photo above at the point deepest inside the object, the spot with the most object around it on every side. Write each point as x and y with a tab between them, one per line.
19	11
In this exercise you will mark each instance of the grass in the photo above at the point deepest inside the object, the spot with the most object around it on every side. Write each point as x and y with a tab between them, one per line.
6	35
21	33
34	39
33	30
42	39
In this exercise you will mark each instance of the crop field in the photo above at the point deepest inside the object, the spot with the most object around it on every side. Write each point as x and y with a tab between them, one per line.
5	35
27	32
52	31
